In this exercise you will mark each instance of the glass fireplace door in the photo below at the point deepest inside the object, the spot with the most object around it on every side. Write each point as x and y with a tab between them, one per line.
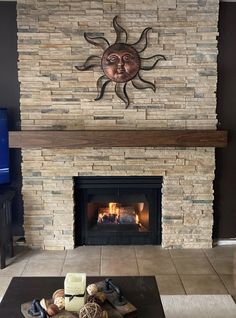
108	213
118	212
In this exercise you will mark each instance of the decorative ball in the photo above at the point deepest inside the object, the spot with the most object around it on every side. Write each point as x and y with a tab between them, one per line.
91	299
90	310
52	310
100	296
92	289
60	302
58	293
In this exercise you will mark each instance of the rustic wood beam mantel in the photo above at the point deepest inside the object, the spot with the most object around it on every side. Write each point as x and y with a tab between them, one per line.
117	138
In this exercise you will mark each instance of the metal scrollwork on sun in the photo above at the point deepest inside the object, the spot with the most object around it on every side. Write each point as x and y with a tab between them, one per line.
121	62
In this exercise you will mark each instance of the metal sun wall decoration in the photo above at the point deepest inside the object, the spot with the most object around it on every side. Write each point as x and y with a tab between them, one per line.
121	62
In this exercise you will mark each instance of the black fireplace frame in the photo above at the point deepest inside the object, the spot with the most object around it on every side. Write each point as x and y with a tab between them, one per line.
151	187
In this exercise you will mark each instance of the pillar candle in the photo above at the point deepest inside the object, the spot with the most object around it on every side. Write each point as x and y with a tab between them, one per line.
74	285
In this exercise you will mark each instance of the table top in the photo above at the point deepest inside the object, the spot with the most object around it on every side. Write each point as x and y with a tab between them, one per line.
141	291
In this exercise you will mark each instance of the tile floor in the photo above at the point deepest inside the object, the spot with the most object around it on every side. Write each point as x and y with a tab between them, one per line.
207	271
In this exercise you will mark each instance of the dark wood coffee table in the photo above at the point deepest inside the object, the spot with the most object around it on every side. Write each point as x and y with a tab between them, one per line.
141	291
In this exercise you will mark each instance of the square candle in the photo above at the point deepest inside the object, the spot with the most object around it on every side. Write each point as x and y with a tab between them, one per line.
74	285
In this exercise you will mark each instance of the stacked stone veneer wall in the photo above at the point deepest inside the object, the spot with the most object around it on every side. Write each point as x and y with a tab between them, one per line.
55	96
187	190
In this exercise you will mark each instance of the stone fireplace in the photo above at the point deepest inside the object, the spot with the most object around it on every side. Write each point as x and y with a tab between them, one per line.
55	96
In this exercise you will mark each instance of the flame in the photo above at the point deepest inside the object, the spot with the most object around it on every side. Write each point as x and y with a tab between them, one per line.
136	219
112	207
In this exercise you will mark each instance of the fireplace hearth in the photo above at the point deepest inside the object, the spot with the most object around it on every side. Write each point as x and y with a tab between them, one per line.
117	210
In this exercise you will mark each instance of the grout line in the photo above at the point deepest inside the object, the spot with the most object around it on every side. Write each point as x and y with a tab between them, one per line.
100	264
223	283
101	260
218	274
63	263
136	258
209	260
172	259
234	298
28	260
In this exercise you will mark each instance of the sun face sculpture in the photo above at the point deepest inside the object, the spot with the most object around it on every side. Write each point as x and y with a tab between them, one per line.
121	62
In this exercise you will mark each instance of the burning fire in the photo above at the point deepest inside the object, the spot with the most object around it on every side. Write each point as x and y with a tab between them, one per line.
113	208
137	219
115	213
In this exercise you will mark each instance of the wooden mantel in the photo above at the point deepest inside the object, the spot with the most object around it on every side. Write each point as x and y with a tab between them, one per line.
117	138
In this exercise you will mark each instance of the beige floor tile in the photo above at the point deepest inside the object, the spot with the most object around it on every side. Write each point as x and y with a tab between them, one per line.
4	282
192	253
38	255
132	260
18	259
22	253
120	252
203	284
84	251
13	269
86	262
169	285
151	251
155	266
230	283
86	259
223	265
16	264
198	265
221	251
90	268
119	267
83	259
43	268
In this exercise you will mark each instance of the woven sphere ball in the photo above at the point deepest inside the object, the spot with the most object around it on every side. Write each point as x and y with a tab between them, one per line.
91	299
98	298
90	310
92	289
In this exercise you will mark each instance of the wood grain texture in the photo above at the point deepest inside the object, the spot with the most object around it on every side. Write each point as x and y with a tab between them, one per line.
117	138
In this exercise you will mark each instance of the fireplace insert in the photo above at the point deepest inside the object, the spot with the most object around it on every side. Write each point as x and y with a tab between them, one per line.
117	210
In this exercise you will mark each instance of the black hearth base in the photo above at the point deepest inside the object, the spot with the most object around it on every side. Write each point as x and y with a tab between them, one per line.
117	238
